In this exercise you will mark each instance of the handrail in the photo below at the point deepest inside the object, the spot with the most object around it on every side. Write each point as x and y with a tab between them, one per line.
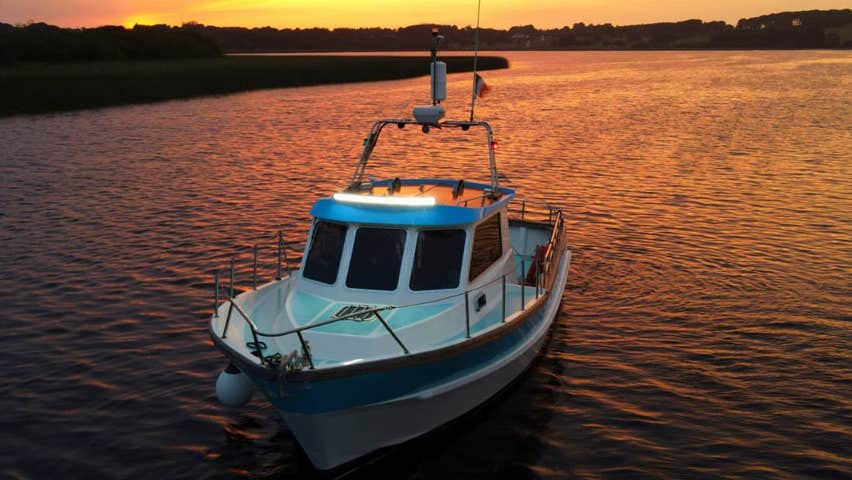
283	256
327	322
536	209
245	315
349	316
390	330
251	323
378	126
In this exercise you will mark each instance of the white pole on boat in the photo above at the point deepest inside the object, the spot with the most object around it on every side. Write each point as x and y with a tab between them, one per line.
438	70
434	61
475	52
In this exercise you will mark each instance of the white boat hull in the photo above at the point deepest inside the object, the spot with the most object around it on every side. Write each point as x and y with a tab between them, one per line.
334	438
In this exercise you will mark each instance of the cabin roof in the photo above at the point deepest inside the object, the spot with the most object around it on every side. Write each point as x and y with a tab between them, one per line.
469	206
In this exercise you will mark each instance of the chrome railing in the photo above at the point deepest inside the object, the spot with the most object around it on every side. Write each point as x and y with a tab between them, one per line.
539	212
543	283
306	352
282	261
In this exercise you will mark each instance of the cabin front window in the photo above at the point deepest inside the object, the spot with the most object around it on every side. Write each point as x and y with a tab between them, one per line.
325	252
437	260
487	246
376	258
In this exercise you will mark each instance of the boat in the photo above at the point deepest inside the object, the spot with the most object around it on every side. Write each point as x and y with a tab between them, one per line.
416	301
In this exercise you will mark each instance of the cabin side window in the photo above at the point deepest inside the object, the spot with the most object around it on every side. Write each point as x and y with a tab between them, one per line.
437	260
325	252
376	258
487	246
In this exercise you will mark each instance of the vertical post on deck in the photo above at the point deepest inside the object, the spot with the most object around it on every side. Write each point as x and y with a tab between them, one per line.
280	244
231	289
504	298
523	208
228	319
467	313
306	351
537	277
523	283
257	345
390	330
254	269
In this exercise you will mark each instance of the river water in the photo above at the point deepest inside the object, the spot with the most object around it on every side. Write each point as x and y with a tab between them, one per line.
706	326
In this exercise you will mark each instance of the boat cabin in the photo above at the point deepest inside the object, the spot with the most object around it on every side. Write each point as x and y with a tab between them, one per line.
405	265
402	241
443	249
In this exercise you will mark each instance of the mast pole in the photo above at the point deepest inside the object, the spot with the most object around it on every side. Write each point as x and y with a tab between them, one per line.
475	52
433	65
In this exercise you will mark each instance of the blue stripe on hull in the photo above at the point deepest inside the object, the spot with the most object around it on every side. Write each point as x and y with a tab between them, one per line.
364	389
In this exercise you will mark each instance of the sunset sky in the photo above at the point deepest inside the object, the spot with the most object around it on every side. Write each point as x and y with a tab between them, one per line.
344	13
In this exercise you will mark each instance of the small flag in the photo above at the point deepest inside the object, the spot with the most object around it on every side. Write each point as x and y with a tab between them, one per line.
480	89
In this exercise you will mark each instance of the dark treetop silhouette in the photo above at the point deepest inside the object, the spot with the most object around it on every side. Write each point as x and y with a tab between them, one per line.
40	42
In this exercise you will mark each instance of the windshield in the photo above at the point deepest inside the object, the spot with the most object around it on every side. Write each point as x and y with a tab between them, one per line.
376	259
487	246
437	259
326	250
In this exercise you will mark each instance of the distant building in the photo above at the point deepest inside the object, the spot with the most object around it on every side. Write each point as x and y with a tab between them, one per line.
797	22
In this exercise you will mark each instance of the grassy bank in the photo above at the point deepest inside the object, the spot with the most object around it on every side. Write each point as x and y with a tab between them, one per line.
46	88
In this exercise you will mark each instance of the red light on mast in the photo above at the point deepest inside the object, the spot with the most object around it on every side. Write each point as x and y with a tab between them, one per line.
493	145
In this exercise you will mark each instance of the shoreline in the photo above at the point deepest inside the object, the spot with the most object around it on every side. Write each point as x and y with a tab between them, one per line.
450	53
48	88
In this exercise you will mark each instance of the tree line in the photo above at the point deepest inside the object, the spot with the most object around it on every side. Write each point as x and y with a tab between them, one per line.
810	29
39	42
788	30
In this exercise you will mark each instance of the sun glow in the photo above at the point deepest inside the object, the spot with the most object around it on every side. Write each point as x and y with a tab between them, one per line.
382	13
141	19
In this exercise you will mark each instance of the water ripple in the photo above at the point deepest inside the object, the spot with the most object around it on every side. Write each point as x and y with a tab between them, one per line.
706	326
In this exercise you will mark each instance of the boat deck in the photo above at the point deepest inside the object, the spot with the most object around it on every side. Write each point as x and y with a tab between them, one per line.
419	327
310	319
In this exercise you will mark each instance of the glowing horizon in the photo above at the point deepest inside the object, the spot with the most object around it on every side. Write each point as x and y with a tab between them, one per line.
500	14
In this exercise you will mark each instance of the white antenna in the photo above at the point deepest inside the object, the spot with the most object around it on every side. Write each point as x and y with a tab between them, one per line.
475	52
432	114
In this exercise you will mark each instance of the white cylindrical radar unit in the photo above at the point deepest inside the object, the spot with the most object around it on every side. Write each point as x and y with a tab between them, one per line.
439	81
